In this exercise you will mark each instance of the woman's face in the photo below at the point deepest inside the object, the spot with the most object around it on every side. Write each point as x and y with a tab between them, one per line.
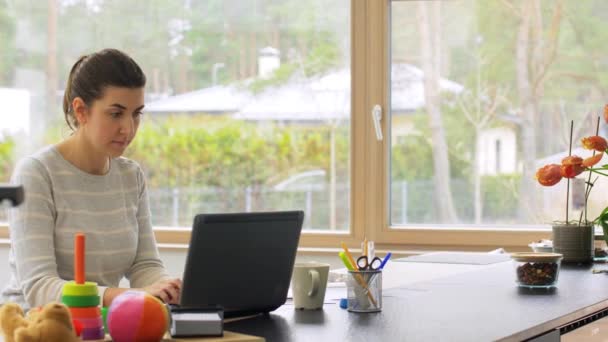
112	121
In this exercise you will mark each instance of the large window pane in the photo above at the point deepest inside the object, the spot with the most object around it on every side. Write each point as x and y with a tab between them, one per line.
482	94
247	101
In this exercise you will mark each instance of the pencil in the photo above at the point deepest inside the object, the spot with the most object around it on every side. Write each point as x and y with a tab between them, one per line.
348	255
358	276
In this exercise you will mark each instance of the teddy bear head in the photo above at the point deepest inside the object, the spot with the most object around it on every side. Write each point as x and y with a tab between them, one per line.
52	322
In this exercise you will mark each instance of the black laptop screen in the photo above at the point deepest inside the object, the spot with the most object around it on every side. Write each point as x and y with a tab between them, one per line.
241	261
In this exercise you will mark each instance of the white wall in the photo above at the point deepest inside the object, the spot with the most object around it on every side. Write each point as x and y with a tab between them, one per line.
4	270
174	261
491	162
15	111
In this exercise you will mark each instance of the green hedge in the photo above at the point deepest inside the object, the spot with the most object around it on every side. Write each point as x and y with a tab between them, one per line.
7	150
219	152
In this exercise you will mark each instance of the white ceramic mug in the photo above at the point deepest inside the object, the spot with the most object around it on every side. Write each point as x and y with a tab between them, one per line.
308	285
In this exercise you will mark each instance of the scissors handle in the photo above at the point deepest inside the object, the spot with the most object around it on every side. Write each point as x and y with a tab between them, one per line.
363	263
375	264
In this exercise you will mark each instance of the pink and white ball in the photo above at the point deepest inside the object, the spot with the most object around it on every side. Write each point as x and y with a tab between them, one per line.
136	316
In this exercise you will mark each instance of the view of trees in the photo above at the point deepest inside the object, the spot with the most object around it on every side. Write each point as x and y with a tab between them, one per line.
528	66
185	46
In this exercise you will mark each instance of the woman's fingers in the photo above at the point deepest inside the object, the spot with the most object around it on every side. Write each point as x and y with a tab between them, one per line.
176	296
177	283
169	291
174	289
163	296
172	293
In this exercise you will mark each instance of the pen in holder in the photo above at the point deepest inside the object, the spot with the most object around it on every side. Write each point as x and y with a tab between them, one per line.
364	290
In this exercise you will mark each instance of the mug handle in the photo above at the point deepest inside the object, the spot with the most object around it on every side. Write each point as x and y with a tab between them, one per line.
314	274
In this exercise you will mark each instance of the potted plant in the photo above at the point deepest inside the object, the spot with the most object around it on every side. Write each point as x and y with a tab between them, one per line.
574	238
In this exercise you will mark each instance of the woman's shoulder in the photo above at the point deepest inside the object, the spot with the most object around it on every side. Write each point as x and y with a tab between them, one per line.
36	164
129	171
37	160
126	166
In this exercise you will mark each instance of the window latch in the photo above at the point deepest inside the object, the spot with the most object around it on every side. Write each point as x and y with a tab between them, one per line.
377	118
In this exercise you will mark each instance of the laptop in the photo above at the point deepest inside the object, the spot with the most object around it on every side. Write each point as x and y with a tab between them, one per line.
241	261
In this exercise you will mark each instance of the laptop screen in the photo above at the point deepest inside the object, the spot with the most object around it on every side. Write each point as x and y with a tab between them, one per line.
241	261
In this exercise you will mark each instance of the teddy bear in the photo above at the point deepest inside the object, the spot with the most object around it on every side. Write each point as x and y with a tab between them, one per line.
51	323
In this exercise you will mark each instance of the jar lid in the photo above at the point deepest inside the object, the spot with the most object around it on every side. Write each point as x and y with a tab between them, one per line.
536	257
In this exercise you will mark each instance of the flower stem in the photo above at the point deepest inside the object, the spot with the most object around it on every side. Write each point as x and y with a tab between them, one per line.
587	192
598	172
589	184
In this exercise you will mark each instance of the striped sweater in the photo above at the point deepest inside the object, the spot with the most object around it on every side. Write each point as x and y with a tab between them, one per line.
112	211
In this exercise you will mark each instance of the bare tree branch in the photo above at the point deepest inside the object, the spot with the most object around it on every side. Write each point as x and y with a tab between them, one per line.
551	52
509	4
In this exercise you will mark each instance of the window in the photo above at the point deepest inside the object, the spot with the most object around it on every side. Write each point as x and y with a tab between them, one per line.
481	96
247	102
475	96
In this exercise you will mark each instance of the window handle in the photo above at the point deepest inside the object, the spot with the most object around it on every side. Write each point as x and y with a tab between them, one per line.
377	118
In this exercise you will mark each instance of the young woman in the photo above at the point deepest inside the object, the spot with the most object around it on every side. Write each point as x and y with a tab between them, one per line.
84	185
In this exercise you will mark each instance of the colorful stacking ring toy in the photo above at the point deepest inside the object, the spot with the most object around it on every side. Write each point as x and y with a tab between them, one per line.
82	297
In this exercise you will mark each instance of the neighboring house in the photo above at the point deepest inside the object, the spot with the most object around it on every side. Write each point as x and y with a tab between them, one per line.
15	111
312	100
497	151
325	100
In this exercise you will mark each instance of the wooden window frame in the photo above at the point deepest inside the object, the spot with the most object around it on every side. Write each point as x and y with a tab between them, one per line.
416	237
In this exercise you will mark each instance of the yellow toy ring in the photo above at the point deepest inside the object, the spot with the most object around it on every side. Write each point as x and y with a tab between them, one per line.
87	289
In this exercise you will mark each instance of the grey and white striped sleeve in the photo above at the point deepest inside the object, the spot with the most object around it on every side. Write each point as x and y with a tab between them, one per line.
32	228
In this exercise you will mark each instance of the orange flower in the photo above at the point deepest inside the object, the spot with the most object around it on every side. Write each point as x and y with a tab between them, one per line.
571	171
572	161
606	113
589	162
595	143
549	174
572	166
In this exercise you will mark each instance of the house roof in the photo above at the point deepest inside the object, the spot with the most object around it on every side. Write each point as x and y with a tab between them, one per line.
325	97
315	99
407	87
328	97
217	99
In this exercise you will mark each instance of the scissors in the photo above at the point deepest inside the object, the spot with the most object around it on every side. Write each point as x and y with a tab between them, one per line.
363	263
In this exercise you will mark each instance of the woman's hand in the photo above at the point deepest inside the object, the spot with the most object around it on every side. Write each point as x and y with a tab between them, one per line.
168	290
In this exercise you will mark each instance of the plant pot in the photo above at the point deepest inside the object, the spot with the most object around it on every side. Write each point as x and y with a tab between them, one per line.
574	242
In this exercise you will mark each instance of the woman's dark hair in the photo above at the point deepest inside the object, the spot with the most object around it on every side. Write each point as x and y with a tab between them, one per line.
91	74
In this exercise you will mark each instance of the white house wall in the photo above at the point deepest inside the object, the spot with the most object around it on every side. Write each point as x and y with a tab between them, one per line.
501	161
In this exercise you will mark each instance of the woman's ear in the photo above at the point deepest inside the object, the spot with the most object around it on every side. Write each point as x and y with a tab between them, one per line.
80	110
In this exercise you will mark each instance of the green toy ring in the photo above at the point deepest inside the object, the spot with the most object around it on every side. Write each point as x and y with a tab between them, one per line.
80	301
